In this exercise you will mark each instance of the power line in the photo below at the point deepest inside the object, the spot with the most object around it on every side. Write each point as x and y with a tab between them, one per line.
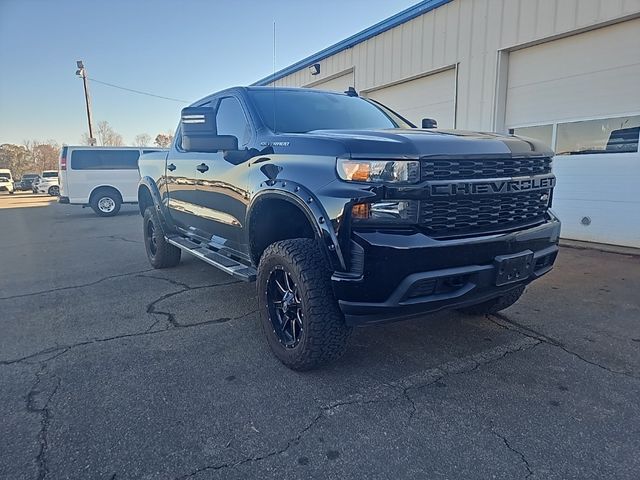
137	91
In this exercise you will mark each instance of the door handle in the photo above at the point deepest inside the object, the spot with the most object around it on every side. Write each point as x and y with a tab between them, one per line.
171	167
202	168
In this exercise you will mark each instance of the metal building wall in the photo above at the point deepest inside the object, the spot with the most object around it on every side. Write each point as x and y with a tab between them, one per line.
471	34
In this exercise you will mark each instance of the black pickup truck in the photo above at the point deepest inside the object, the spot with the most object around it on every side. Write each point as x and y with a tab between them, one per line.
345	213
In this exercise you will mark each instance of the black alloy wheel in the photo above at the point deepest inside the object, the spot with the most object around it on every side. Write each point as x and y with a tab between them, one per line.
161	254
150	237
285	307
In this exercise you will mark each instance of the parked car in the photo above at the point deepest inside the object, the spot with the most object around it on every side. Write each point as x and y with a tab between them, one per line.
6	181
346	214
47	182
100	177
26	182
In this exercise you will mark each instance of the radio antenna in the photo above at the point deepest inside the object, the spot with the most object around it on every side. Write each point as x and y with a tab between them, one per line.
273	78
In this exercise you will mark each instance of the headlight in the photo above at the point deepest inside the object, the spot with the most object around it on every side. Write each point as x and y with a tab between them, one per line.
386	211
383	171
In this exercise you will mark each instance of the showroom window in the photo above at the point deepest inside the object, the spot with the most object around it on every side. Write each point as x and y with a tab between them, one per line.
608	135
544	133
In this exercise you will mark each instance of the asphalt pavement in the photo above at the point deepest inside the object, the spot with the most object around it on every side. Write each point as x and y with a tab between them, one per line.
112	370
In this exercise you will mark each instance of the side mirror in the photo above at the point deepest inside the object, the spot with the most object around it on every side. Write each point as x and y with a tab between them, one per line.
429	123
199	132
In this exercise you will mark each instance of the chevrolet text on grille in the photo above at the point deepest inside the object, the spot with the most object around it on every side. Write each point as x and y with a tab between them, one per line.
490	187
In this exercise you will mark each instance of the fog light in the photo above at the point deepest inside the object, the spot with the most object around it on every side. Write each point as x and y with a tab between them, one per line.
390	211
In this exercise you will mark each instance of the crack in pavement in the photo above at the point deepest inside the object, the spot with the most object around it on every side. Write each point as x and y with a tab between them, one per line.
517	452
169	280
380	393
151	307
60	350
45	413
506	323
45	410
259	458
462	366
71	287
120	237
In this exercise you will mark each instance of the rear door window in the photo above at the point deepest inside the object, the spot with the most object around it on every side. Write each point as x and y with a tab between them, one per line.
105	159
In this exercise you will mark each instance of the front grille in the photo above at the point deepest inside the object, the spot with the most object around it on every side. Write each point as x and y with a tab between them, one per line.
455	169
459	216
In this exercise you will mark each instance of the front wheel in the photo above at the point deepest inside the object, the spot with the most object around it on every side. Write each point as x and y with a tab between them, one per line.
54	191
298	311
160	253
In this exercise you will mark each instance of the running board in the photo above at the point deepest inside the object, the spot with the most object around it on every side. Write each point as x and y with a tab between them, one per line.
212	257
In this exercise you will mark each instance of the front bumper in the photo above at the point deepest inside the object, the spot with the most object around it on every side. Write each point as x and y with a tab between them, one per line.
408	273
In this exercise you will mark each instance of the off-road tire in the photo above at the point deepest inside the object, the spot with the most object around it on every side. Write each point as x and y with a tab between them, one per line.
324	335
495	304
160	253
105	193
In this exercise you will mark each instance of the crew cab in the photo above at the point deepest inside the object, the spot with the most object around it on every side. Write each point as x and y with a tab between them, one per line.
346	214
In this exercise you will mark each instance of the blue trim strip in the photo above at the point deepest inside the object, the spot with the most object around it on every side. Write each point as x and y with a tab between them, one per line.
391	22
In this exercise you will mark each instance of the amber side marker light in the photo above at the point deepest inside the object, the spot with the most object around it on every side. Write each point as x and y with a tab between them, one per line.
361	211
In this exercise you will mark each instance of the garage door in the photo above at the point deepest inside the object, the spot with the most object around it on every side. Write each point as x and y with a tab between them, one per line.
582	95
338	84
432	96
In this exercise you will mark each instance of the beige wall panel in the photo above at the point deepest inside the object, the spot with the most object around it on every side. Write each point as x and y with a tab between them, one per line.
468	32
426	97
338	84
576	77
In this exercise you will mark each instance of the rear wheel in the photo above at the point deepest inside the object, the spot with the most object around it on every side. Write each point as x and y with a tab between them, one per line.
496	304
106	202
54	191
299	313
160	253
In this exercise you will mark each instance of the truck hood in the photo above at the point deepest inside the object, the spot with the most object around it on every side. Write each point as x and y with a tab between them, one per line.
410	143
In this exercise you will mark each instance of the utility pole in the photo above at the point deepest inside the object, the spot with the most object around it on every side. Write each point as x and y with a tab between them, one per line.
82	73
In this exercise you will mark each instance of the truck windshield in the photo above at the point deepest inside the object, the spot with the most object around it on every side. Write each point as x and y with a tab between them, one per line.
291	111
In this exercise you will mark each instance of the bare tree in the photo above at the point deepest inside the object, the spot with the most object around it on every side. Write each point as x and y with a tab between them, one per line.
107	136
31	157
84	139
45	155
142	140
15	158
163	140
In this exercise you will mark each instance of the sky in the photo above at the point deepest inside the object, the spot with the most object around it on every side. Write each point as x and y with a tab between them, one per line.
180	49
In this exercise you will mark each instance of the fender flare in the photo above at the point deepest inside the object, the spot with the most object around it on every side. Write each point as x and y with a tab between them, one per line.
166	223
308	203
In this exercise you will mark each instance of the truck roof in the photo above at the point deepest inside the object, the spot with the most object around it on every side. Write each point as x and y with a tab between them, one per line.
263	88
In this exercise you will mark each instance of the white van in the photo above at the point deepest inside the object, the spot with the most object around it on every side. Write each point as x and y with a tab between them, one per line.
6	181
100	177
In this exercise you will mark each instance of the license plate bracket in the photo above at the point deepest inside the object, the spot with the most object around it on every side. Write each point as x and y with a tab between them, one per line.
513	268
